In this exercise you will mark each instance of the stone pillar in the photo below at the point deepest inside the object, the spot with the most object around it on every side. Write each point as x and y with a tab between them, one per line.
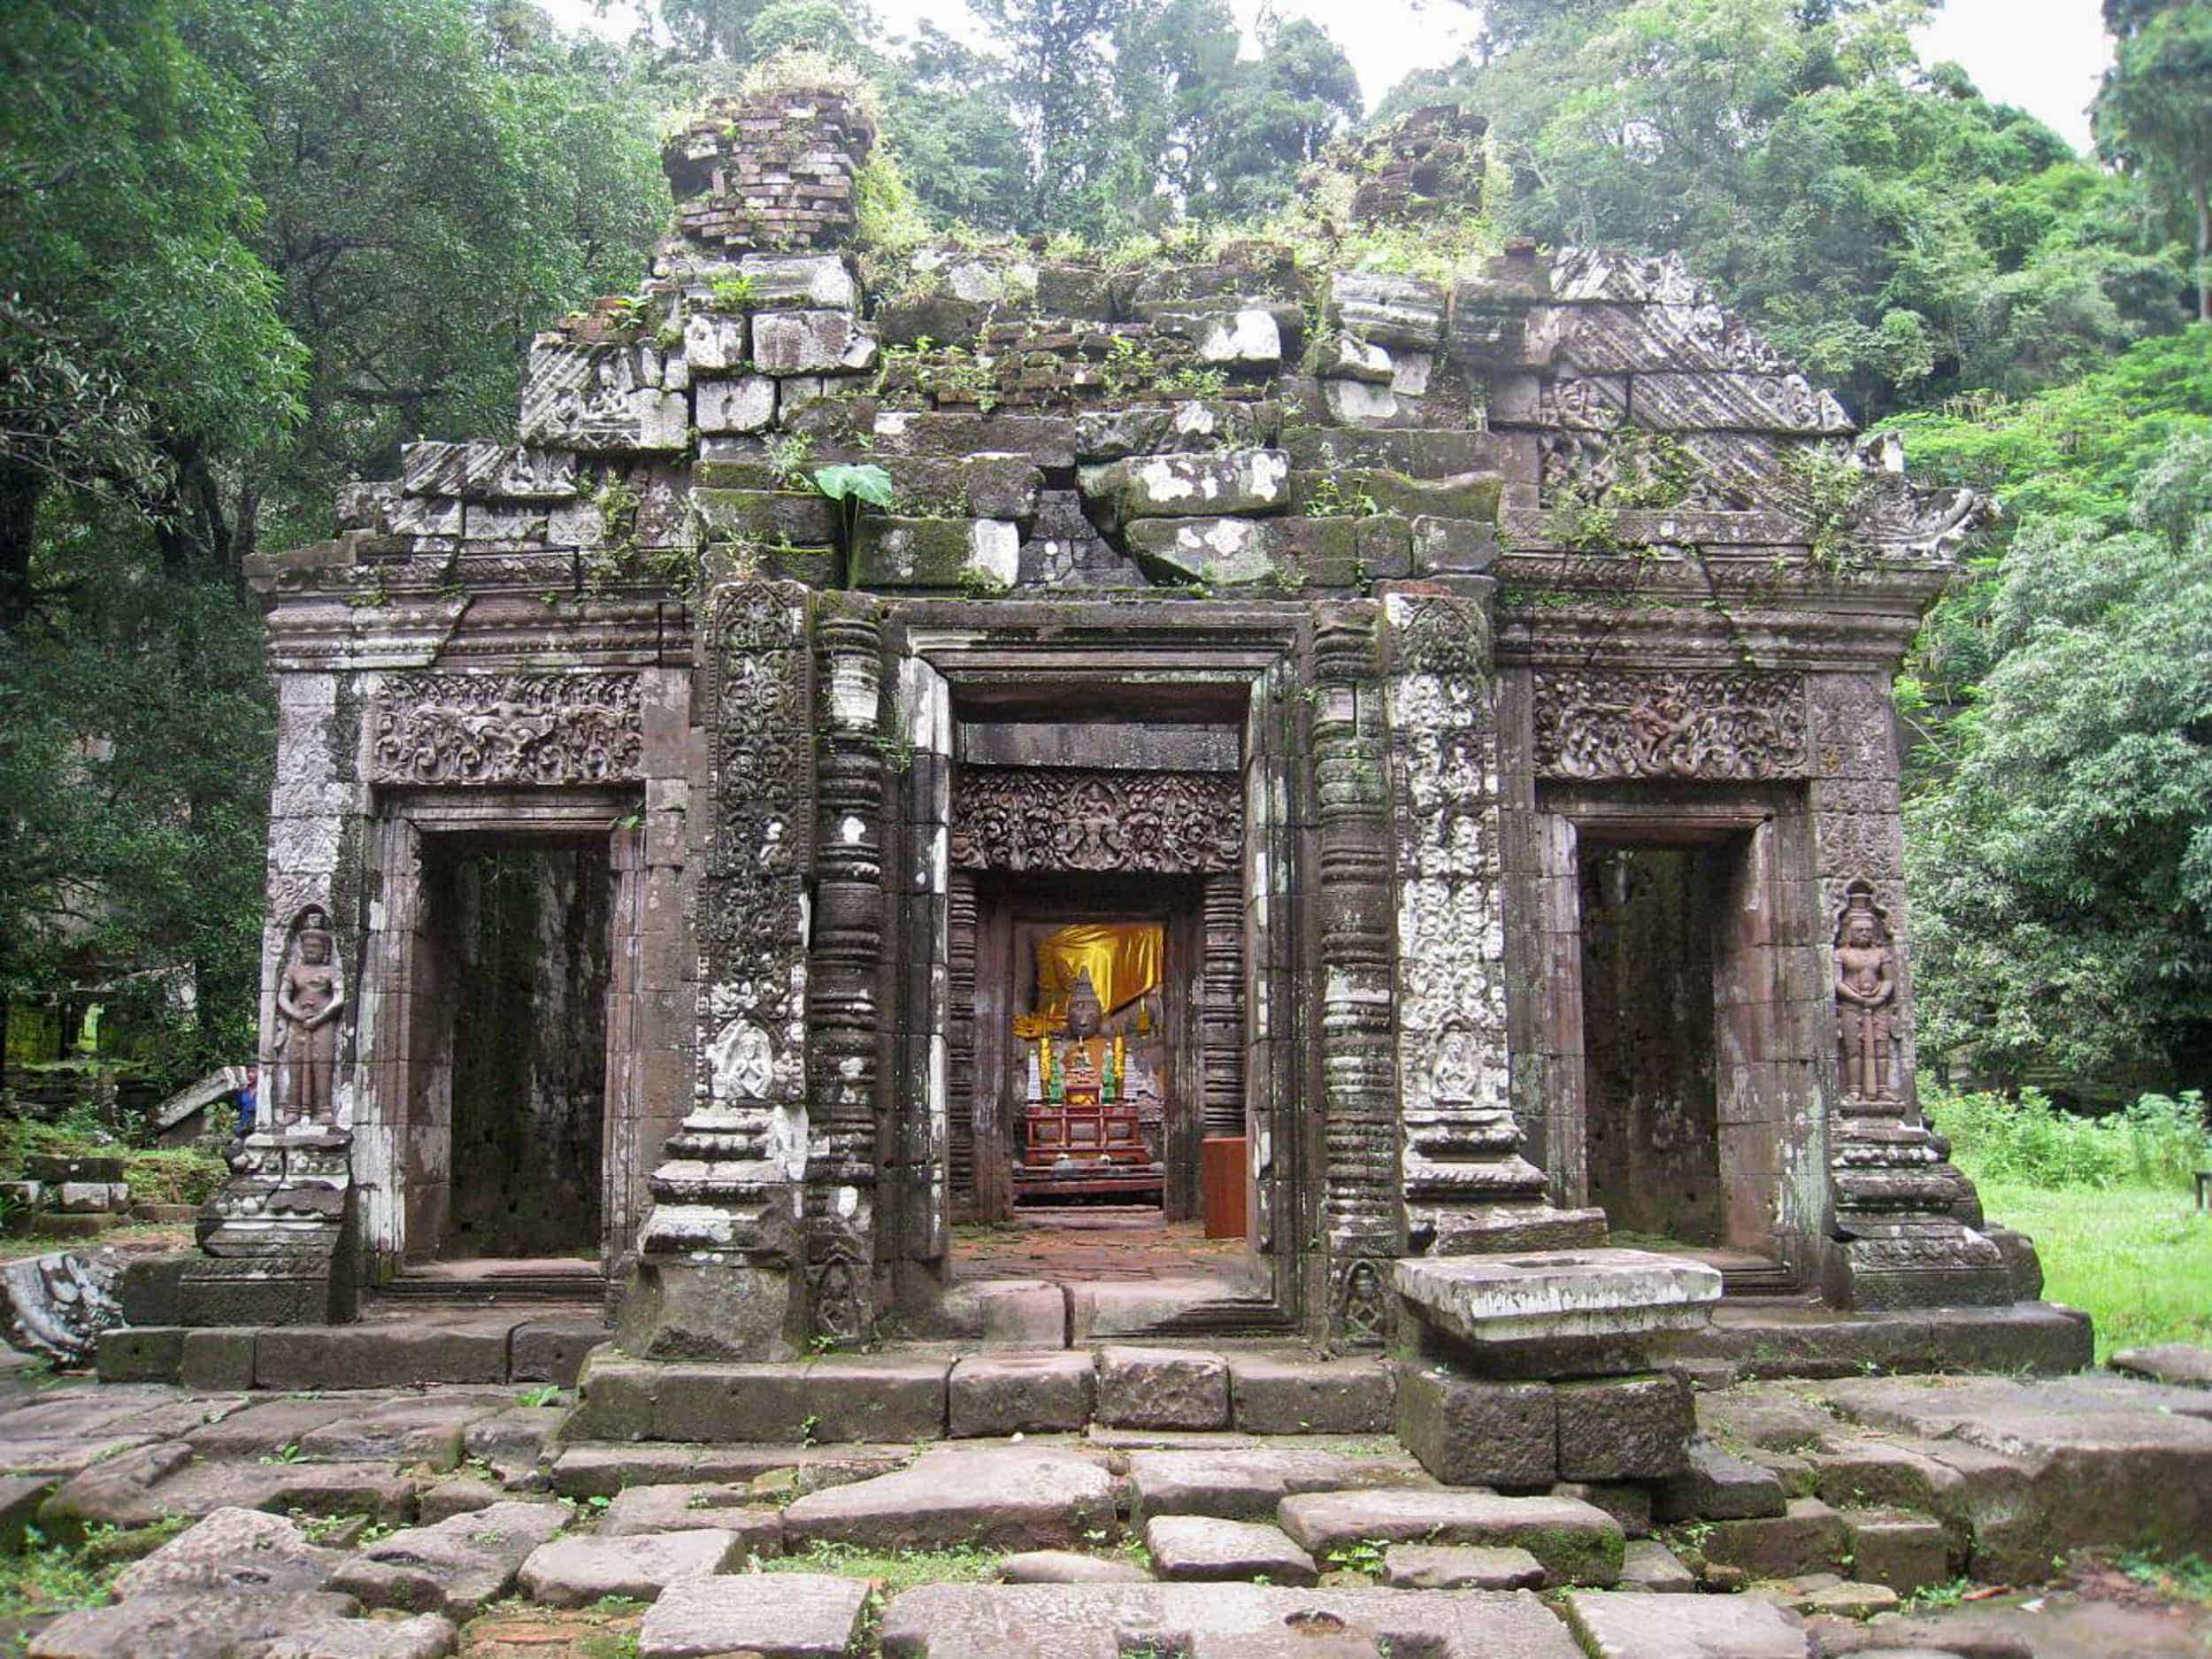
844	1003
1467	1186
920	1133
1908	1224
1362	1226
720	1257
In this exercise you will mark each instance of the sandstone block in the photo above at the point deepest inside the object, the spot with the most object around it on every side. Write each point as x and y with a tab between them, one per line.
1014	1498
821	280
218	1356
381	1356
1247	1483
577	1571
459	1494
141	1354
810	342
1650	1567
1274	1394
232	1550
1623	1625
1807	1537
1163	1388
1021	1394
552	1350
1192	485
188	1625
1626	1428
1206	1546
1576	1543
776	1616
1065	1566
747	403
421	1430
1469	1432
866	1397
1388	311
1192	424
454	1567
1717	1485
1248	338
1897	1547
685	1506
713	341
1461	1567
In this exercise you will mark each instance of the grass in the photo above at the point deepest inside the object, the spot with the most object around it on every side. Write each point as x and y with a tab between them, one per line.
892	1571
2137	1259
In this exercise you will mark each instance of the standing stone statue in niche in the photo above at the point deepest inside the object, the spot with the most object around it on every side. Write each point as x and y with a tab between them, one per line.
1866	995
310	995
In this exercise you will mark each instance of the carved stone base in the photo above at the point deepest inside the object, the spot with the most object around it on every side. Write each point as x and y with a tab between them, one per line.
1920	1261
712	1304
278	1239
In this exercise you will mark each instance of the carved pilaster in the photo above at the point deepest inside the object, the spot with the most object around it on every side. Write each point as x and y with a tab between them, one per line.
718	1250
843	995
1221	1004
1467	1186
1361	1218
1908	1223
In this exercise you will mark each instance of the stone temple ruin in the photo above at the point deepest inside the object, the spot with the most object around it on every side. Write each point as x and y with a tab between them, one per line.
1400	771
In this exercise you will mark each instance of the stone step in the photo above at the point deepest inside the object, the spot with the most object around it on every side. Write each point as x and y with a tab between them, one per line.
1577	1542
412	1348
935	1393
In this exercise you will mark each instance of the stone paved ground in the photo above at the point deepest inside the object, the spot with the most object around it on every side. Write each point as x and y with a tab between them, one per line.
454	1520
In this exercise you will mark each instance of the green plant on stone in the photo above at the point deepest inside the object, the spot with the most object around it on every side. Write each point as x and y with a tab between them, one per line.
1835	485
549	1394
851	487
1366	1556
733	291
788	453
1329	499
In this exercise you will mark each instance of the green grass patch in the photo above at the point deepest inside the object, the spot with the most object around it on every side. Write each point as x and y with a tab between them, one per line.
48	1580
893	1571
2137	1259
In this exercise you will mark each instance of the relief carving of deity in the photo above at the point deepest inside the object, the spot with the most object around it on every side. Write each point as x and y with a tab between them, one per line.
311	997
1866	996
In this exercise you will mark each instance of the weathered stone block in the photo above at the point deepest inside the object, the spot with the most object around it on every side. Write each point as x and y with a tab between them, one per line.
1021	1394
1192	424
1360	402
1650	1567
1049	441
820	280
1162	1388
217	1357
381	1356
747	403
89	1198
141	1354
810	342
1388	311
1576	1543
1451	546
789	1615
1200	485
1467	1433
863	1397
1807	1537
714	343
1248	1482
1015	1498
1273	1395
1461	1567
1247	338
1622	1625
551	1350
767	514
235	1551
1716	1486
1205	1546
897	552
1628	1428
453	1568
1897	1547
577	1571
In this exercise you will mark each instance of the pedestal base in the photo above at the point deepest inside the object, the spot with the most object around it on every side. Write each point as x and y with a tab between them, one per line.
277	1240
710	1305
1881	1267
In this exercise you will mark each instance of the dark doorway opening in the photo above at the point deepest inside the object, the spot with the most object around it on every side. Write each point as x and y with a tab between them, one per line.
526	945
1650	1078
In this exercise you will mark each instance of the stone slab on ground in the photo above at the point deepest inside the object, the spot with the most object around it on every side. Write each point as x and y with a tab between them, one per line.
20	1498
599	1470
1622	1625
1021	1394
2084	1630
772	1615
423	1429
682	1509
997	1497
2180	1363
267	1426
457	1495
1068	1566
1247	1484
1204	1546
234	1550
1460	1567
552	1350
184	1626
1277	1394
453	1568
1576	1543
1897	1547
577	1571
516	1439
1650	1567
964	1621
1163	1388
154	1482
423	1636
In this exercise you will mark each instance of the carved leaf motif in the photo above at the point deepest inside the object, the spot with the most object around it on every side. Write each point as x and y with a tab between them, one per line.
1723	726
1041	817
504	729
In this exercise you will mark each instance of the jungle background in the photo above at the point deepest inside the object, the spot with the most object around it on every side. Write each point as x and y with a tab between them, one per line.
247	247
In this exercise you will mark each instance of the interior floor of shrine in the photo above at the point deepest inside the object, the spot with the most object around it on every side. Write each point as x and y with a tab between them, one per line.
1092	1241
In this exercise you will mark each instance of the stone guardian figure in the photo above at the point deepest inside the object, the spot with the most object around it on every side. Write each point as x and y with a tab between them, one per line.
1866	995
310	995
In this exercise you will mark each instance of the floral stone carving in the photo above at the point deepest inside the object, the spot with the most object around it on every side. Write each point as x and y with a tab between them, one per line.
504	729
1041	817
1734	725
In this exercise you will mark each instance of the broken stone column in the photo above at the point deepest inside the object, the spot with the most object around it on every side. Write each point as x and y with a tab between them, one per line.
1467	1186
720	1258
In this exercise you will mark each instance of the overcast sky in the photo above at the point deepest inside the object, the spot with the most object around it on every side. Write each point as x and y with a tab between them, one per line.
2045	55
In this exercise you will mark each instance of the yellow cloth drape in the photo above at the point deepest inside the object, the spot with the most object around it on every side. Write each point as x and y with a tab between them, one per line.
1123	958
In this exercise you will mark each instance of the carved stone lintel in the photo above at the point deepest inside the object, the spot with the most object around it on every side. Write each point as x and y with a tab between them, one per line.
1065	818
507	729
1727	726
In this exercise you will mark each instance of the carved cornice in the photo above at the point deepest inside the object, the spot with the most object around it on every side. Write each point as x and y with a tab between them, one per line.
506	729
1059	818
1735	725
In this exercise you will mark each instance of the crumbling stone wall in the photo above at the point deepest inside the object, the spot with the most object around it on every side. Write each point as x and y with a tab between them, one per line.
1463	540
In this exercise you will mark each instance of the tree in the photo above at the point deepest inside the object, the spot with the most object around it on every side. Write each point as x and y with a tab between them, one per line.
2155	110
139	332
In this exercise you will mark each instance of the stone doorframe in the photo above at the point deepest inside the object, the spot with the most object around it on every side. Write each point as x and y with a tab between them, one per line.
402	1122
1320	1088
1774	1017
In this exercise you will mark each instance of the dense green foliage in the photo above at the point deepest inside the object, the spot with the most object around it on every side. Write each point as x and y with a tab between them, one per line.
2157	1141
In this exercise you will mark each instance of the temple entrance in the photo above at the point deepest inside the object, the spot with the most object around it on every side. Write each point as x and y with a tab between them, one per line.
1678	1013
522	931
1087	1083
